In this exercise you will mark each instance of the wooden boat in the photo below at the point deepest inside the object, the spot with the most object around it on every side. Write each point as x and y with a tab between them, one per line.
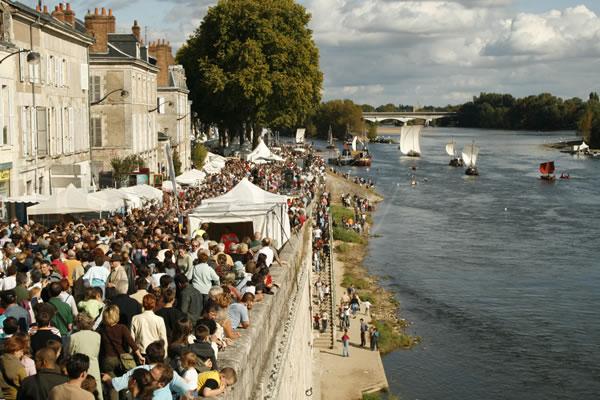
547	170
469	156
455	161
410	140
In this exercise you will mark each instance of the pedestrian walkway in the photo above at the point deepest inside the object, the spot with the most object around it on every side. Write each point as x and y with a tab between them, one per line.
347	378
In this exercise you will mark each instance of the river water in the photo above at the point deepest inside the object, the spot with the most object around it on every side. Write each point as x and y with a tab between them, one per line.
499	274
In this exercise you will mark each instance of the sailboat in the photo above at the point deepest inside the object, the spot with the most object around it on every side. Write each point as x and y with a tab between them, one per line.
454	161
330	144
410	140
547	171
469	156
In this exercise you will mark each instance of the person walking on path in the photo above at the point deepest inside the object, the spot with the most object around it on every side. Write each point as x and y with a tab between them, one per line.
367	305
345	344
374	339
364	328
324	320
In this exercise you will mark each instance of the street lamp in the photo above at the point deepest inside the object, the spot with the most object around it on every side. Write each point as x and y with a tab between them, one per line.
194	115
124	95
169	103
33	57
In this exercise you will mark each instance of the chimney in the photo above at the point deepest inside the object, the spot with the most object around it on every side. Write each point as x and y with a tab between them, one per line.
45	9
99	25
135	29
70	15
162	52
38	8
58	13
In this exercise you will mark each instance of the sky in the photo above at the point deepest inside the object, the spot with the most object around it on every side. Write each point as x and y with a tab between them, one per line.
421	52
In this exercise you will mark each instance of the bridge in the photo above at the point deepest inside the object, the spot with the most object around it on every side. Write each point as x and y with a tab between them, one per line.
405	116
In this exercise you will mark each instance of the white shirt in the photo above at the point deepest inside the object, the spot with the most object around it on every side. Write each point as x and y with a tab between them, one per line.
146	328
268	252
190	376
68	299
8	283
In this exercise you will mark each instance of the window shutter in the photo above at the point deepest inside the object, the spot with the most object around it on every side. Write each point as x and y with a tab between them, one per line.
84	80
25	131
43	69
22	67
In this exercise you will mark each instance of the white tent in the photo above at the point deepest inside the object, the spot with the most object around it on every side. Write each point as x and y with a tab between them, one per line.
167	186
32	198
68	201
113	199
214	163
246	203
192	177
145	192
262	154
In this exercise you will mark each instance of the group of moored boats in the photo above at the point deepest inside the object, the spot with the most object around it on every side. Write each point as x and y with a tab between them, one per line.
351	153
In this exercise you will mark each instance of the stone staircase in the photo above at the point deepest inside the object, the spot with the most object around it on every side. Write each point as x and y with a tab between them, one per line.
325	340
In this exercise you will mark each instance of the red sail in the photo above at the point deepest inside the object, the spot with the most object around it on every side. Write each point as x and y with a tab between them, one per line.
547	168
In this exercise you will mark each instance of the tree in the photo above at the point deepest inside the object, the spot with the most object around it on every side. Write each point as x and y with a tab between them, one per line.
253	64
372	132
341	115
199	153
122	167
176	162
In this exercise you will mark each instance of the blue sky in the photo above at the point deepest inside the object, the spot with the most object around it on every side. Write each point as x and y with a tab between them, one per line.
422	51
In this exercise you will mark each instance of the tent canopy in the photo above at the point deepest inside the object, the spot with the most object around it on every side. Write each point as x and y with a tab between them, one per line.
146	192
262	153
246	203
110	199
214	163
68	201
192	177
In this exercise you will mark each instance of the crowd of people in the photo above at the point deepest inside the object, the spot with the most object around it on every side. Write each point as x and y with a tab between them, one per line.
360	206
92	309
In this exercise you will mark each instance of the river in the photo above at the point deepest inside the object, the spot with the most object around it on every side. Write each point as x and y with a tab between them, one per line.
499	274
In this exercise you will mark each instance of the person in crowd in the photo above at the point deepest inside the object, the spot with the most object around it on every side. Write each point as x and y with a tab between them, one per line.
97	274
38	386
128	306
188	362
26	360
77	369
214	383
12	372
142	289
92	305
168	313
117	280
44	313
203	276
12	309
189	299
141	385
86	341
148	327
238	312
345	344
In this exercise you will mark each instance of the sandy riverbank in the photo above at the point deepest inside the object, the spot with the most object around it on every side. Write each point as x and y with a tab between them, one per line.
348	378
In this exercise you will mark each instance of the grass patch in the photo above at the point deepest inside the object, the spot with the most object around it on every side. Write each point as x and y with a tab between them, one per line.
339	212
391	339
382	395
358	283
343	248
347	235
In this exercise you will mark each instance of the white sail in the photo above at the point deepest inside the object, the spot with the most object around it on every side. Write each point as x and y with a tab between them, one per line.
410	140
354	143
582	147
330	137
450	149
469	155
300	135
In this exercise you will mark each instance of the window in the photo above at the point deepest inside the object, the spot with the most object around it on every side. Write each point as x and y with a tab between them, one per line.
161	105
42	131
96	131
5	115
66	75
66	142
50	70
95	88
26	129
84	77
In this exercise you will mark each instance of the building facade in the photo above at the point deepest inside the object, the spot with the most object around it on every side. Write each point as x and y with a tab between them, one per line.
123	93
174	119
44	144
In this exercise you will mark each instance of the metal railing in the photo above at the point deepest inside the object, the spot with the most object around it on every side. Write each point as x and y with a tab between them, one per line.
332	287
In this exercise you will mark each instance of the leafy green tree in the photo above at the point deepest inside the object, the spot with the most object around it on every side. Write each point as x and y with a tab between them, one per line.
122	167
253	64
341	115
372	131
199	153
176	162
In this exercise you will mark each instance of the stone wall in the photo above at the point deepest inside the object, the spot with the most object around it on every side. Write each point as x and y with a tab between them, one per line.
273	358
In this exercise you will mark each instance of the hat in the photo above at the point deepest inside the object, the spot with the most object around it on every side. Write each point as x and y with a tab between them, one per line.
115	257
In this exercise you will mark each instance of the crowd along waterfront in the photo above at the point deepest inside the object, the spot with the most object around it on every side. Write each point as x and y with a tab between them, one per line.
498	273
